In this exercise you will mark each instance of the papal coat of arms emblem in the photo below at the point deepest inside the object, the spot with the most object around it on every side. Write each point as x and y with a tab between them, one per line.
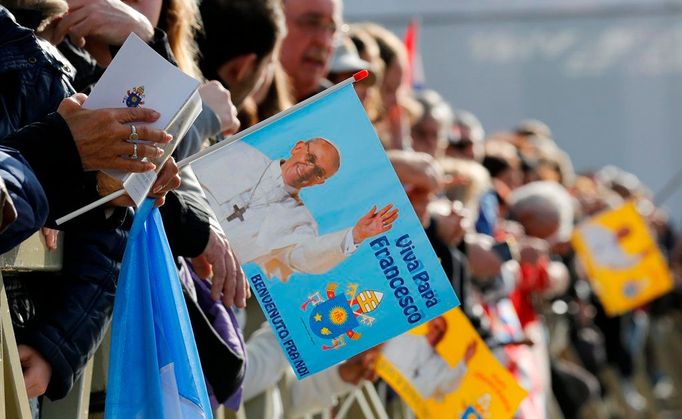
480	409
340	315
134	97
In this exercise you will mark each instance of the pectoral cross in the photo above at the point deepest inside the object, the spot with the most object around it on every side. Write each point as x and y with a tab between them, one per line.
238	213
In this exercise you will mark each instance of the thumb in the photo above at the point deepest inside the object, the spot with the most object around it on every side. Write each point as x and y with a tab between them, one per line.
24	353
80	98
69	104
202	267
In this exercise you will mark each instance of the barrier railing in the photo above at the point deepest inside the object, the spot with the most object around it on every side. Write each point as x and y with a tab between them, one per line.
12	389
31	255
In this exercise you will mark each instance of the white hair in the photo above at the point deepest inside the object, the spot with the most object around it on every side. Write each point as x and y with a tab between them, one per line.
545	196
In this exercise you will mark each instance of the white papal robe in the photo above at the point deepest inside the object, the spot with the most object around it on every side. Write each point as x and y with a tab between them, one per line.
606	249
277	231
423	367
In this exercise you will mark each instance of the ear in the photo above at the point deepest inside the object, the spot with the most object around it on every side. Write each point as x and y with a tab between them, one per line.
237	69
299	144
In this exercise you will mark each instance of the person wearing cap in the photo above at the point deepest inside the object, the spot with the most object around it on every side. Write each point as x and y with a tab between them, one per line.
466	137
346	62
533	127
429	132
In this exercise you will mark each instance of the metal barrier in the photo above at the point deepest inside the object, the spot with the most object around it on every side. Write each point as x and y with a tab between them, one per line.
31	255
12	388
367	400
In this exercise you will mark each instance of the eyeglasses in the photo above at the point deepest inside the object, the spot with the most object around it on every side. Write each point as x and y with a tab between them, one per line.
313	24
462	144
311	161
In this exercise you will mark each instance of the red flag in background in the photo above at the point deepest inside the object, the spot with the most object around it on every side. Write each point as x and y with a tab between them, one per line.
415	69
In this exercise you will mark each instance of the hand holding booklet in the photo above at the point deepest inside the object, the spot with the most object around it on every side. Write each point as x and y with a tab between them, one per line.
139	77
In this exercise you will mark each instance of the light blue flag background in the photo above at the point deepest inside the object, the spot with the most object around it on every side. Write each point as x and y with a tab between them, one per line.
154	367
365	178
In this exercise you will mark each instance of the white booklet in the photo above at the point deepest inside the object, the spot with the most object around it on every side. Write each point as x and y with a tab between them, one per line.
139	77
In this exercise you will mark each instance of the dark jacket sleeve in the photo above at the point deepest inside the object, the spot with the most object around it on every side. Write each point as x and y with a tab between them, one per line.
27	197
186	222
75	305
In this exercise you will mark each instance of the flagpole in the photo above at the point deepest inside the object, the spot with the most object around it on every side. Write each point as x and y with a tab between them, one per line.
70	216
668	189
182	163
355	78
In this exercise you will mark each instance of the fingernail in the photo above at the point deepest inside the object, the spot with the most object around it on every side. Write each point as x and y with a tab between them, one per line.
169	138
155	114
159	152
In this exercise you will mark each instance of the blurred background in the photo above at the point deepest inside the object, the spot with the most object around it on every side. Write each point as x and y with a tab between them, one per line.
605	75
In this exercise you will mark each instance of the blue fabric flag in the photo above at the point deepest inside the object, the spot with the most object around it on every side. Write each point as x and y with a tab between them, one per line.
154	368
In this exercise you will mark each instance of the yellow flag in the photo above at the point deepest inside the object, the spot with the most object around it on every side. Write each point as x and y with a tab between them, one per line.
444	369
621	259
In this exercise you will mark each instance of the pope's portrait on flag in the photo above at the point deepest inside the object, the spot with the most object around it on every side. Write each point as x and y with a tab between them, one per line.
257	200
416	358
607	249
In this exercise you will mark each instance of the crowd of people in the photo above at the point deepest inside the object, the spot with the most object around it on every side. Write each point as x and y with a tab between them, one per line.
499	209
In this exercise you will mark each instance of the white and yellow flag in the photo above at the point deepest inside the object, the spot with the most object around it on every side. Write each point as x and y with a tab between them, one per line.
621	259
443	369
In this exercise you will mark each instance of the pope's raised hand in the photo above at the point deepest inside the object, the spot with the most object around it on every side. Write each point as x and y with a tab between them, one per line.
374	223
469	352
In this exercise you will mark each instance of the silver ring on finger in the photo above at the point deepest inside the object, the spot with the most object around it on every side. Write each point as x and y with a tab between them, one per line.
133	133
134	156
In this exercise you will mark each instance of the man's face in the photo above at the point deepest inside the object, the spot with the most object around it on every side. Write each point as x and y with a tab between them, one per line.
468	147
311	163
307	49
390	88
241	89
427	136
